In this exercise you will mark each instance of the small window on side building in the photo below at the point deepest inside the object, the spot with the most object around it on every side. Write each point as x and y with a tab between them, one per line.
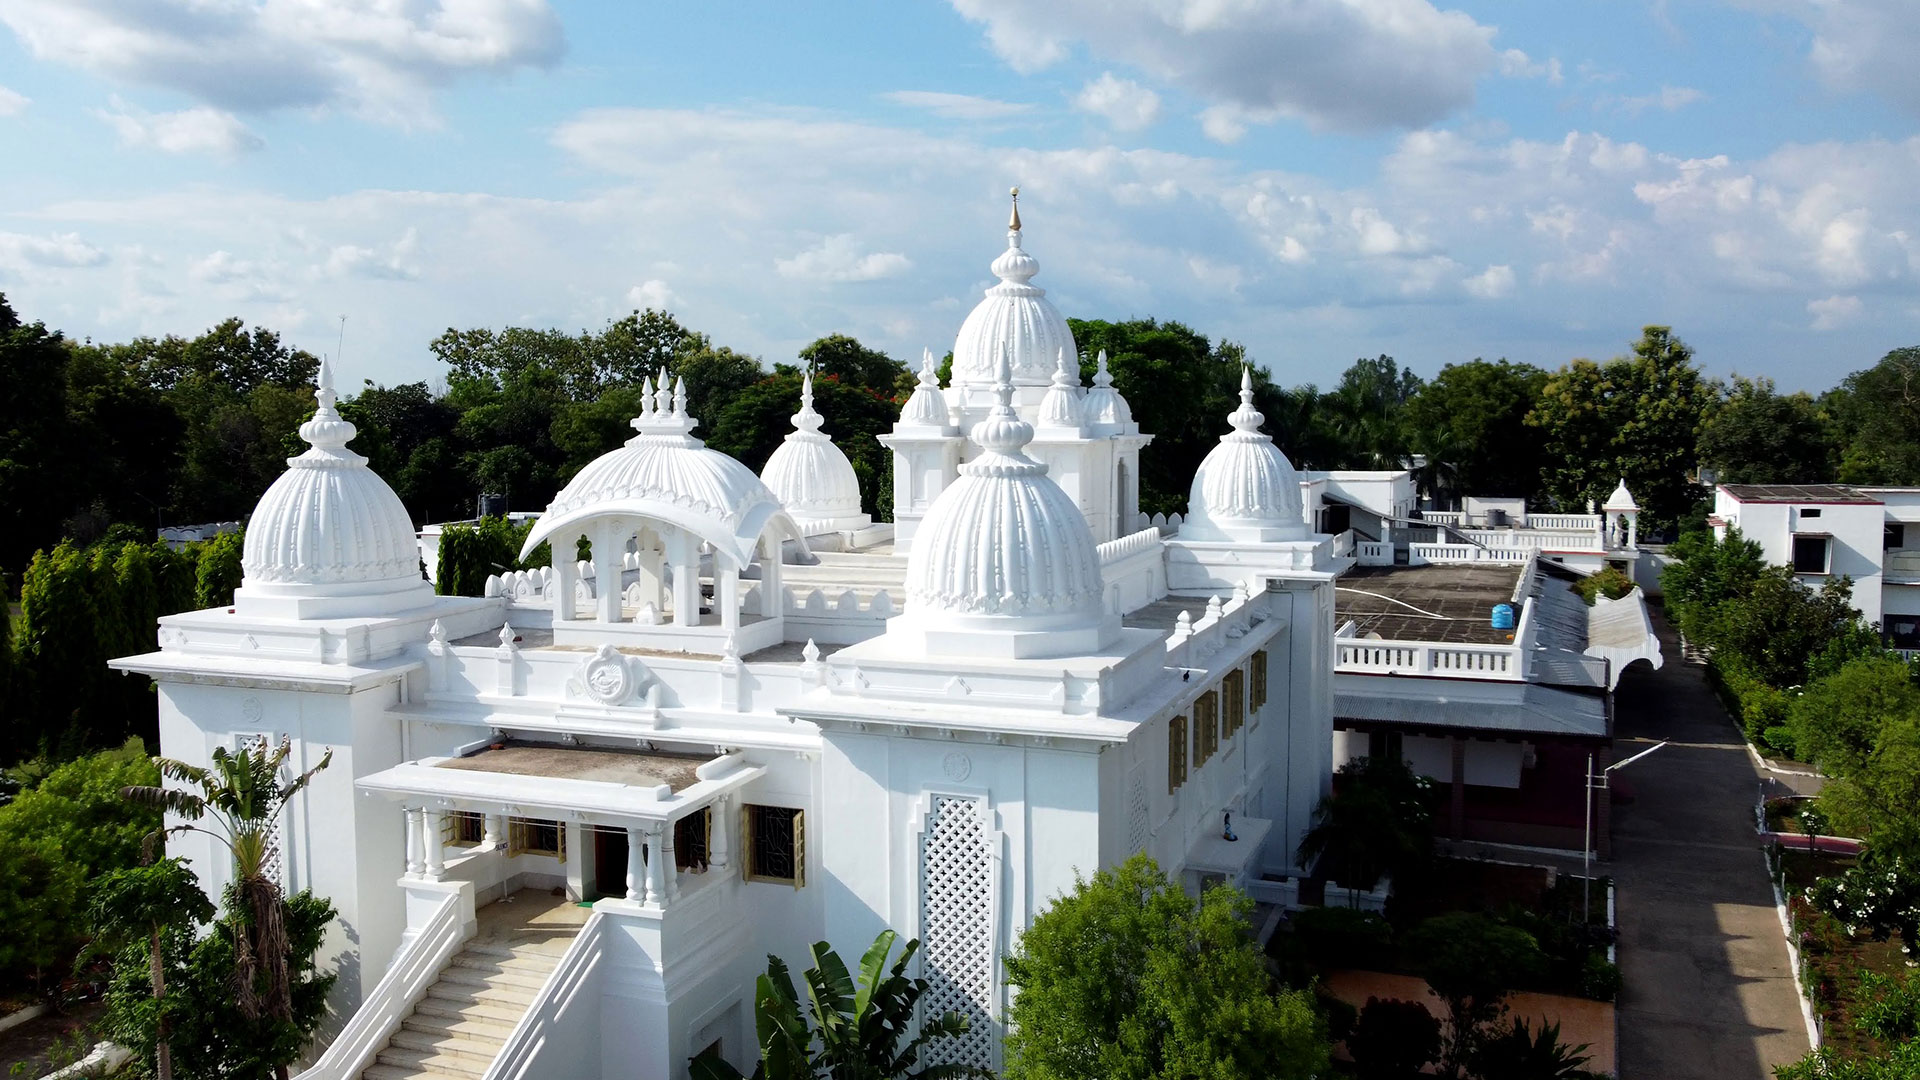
1811	554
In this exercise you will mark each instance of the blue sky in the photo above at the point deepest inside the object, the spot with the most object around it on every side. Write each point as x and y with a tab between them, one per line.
1317	179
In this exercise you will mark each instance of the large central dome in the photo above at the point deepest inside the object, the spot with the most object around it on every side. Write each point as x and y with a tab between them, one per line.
1015	317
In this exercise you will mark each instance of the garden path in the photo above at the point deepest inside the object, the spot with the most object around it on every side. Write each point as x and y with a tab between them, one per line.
1708	991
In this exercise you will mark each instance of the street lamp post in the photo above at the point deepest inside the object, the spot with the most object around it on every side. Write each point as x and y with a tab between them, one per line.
1586	852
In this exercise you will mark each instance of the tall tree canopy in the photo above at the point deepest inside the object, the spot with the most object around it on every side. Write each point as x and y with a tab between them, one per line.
1472	416
1879	409
1758	436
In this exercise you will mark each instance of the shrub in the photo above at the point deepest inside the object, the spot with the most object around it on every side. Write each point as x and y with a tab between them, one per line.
1330	937
1612	583
1599	978
1890	1009
1393	1039
470	552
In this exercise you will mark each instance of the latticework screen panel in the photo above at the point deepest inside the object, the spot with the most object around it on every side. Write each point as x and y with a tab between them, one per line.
956	927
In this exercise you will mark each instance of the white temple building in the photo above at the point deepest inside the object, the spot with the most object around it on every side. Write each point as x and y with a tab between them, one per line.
753	719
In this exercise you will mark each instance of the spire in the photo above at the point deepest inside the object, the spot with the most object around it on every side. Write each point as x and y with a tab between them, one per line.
925	407
1013	223
1103	378
327	431
1003	433
806	420
1060	408
1246	419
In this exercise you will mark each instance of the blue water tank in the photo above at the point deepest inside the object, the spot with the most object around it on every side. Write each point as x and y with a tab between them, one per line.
1503	616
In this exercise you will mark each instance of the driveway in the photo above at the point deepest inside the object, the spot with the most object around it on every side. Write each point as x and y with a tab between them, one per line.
1707	988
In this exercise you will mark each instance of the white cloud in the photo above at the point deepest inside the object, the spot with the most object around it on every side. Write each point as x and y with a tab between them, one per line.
394	262
12	102
1667	98
1340	64
221	268
651	293
957	106
198	130
378	58
1515	64
1834	311
1224	124
57	250
838	258
1492	283
1125	104
1860	45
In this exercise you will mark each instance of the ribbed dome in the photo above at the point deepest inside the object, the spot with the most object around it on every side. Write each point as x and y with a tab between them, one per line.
1016	317
926	406
1105	409
328	529
1621	499
1246	489
664	472
811	477
1004	561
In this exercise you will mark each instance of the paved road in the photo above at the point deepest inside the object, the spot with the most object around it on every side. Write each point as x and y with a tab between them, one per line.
1708	992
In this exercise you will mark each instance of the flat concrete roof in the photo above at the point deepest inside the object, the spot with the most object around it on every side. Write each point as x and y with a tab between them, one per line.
1398	602
1163	613
637	768
1796	493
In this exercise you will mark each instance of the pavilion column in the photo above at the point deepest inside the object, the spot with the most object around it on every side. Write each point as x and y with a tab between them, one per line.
772	592
727	595
608	549
636	866
685	555
719	832
415	867
566	576
431	841
496	831
1633	531
656	880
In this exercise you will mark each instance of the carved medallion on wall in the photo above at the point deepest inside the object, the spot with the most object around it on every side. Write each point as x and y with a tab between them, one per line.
251	709
604	677
957	766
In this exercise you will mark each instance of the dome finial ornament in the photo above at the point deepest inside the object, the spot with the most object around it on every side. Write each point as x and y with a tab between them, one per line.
1246	417
1016	315
1060	408
327	432
1002	434
807	419
1013	223
925	407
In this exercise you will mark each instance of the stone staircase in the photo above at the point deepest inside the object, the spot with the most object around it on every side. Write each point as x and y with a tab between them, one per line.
464	1020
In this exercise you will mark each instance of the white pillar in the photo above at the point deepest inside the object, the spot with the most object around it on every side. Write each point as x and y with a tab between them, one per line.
727	596
668	866
566	575
1633	531
684	552
608	547
415	867
772	592
432	841
656	880
719	832
496	831
636	872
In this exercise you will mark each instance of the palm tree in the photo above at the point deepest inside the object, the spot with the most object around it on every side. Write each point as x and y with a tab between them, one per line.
1376	822
242	795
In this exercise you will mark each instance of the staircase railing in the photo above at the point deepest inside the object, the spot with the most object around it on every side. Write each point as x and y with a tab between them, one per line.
393	998
540	1028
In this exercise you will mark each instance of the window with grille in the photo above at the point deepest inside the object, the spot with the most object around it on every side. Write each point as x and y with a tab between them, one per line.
692	836
532	836
1176	753
1259	681
462	828
1233	702
776	840
1206	726
957	917
259	744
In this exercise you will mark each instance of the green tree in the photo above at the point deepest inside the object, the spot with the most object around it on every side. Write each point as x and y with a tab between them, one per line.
1377	821
1368	410
469	553
1837	721
759	418
39	456
1705	573
1782	630
1128	978
1473	961
1878	412
1473	415
152	908
1393	1039
217	570
1515	1053
1758	436
844	358
61	655
846	1031
242	794
1635	417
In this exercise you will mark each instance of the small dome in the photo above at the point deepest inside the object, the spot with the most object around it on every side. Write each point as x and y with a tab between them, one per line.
1246	489
329	534
1060	408
666	474
1015	317
811	477
1621	499
1004	563
1105	408
926	406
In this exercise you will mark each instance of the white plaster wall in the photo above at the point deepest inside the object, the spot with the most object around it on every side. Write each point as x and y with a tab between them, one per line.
1858	531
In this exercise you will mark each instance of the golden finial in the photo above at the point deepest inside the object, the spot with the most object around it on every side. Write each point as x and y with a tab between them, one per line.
1015	223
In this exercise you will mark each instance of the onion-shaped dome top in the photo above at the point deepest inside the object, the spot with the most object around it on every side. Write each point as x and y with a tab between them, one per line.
329	526
811	477
1621	499
1061	407
1015	317
1246	489
1105	408
926	406
666	474
1003	547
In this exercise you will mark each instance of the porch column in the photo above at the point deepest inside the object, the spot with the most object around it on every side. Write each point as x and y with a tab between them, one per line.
656	881
496	831
636	863
432	840
608	552
415	867
727	596
668	868
719	830
566	575
772	593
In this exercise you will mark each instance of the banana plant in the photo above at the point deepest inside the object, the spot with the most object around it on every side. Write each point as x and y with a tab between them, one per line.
846	1030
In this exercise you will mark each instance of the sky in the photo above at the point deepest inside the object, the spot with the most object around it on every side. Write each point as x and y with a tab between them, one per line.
1318	180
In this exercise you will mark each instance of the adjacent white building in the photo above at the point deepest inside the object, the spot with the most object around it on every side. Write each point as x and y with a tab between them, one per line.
752	719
